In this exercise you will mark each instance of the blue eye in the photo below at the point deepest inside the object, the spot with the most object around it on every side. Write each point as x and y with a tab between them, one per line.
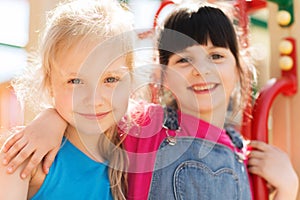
111	79
75	81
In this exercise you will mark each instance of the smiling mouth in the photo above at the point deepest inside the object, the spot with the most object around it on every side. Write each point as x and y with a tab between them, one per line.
95	116
203	88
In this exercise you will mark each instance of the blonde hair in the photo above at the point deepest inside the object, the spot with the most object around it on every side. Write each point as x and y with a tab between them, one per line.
69	23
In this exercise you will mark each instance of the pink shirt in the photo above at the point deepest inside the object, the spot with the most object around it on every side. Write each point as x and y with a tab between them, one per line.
143	141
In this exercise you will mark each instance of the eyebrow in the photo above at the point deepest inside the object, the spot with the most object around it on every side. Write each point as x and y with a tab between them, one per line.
73	74
120	70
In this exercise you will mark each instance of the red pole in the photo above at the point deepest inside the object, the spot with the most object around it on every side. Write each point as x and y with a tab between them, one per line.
286	85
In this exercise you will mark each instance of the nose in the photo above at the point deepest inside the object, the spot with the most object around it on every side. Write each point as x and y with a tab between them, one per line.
195	72
199	70
99	96
92	96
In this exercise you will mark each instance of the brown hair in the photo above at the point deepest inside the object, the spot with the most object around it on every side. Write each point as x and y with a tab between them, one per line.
188	26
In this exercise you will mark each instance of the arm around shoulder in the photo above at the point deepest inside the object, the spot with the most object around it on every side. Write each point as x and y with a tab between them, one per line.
38	140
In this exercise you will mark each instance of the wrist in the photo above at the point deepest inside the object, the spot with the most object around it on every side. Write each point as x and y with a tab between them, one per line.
52	112
289	188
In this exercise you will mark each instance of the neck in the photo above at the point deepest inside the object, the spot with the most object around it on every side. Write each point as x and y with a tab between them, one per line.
87	143
215	117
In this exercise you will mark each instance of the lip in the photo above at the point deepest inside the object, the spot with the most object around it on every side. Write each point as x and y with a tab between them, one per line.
203	88
96	116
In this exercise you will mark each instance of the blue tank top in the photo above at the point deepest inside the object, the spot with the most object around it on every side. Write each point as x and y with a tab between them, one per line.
74	176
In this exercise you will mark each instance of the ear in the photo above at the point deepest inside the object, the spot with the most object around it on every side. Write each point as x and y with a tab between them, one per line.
51	92
49	87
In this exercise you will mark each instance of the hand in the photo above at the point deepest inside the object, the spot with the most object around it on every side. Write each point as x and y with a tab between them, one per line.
35	144
275	167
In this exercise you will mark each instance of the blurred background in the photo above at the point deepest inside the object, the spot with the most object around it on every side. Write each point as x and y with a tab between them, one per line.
266	28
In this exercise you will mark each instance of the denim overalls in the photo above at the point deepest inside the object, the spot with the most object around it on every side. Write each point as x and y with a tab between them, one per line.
196	168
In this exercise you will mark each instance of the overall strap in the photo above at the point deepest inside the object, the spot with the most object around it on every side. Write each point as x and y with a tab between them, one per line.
238	142
170	119
171	123
235	136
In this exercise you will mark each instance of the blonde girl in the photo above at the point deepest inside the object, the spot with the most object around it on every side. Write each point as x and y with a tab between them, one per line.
85	62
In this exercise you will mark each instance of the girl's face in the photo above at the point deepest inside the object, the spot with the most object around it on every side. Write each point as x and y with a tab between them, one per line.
202	77
90	87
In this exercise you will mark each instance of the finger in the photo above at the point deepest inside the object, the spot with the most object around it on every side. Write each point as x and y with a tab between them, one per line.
259	145
256	154
34	161
48	160
14	151
24	154
254	162
11	141
255	170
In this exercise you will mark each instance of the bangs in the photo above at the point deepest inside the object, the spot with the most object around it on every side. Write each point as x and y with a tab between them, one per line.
185	28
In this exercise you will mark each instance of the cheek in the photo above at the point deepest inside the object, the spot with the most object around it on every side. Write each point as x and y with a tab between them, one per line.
175	79
230	81
120	98
63	101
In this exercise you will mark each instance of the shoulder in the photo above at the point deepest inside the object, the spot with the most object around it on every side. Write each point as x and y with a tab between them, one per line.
4	135
12	184
143	118
140	113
